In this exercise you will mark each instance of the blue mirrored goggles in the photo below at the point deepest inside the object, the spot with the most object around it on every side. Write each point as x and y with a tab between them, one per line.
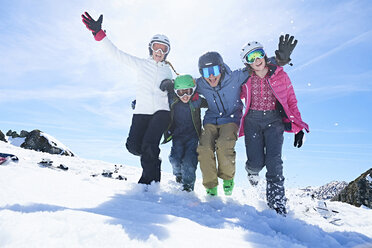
255	54
214	70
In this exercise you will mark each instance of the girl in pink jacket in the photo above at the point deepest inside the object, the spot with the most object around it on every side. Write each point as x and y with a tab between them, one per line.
270	109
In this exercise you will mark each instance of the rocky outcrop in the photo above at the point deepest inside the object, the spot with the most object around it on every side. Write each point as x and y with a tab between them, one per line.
2	137
14	134
325	192
38	141
358	192
23	134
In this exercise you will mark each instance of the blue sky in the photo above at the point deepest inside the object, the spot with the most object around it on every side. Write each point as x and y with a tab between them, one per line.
56	78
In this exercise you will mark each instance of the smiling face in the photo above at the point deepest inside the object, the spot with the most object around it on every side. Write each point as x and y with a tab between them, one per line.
185	98
158	56
259	67
213	80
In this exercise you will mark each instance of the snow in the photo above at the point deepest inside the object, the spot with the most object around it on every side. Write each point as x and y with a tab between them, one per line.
369	178
43	207
15	141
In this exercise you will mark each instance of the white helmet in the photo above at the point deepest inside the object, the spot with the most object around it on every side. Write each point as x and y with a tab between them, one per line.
250	46
159	38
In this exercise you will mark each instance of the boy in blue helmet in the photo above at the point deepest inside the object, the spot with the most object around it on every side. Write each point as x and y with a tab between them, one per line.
184	129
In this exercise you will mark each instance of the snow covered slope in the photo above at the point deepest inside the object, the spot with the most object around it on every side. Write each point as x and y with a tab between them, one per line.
325	192
48	207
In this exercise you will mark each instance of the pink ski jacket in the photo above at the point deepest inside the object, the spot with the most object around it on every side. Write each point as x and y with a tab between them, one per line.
286	100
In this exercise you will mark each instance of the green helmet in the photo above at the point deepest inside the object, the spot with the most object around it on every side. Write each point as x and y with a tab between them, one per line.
184	82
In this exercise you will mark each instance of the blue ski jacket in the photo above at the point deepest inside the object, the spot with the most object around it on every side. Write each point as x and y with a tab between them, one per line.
224	103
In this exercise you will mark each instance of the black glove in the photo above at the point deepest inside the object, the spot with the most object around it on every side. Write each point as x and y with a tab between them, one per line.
133	104
92	25
298	139
285	47
167	85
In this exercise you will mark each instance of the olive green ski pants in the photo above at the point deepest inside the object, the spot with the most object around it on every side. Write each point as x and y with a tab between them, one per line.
217	141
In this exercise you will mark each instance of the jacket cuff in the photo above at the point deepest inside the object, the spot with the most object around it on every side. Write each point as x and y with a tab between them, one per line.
99	35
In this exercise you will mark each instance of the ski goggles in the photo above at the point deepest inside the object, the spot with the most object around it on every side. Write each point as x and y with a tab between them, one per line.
182	92
255	54
160	47
214	70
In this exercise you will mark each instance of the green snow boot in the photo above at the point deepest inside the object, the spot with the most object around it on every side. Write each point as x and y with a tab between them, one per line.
212	191
228	186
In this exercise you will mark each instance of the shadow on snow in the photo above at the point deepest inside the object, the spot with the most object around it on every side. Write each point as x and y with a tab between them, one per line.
142	214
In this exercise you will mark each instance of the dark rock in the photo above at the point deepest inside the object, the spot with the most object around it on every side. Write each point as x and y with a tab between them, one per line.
2	137
358	192
37	142
23	134
13	134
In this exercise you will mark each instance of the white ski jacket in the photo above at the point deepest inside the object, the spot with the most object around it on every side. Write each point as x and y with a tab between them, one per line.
149	97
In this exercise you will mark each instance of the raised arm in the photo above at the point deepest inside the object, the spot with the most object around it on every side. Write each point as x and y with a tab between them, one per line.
99	35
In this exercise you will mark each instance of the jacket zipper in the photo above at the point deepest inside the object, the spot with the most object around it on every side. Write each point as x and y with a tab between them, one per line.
154	85
224	110
216	103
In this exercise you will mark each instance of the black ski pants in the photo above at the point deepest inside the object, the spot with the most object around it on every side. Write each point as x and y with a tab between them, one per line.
143	140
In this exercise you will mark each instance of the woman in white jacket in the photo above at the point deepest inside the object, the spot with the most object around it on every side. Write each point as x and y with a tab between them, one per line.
151	115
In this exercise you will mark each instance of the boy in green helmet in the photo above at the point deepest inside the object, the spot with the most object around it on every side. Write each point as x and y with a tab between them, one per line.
184	129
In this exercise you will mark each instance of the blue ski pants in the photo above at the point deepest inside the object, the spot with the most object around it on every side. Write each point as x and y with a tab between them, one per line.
184	159
264	138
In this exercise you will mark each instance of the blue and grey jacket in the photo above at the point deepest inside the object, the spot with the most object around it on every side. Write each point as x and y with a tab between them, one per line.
224	104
